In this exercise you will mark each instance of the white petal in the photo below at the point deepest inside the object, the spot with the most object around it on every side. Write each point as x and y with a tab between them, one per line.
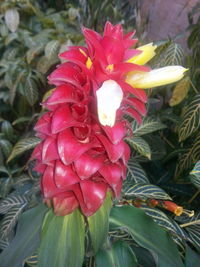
109	98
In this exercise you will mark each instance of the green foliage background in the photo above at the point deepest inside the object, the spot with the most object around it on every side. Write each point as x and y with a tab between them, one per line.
165	148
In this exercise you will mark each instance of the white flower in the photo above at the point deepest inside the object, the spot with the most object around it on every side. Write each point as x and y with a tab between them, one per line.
109	97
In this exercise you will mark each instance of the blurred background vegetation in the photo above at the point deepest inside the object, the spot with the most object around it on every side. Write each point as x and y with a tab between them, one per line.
165	148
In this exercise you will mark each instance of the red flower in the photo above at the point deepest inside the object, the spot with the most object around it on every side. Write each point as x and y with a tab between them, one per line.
82	156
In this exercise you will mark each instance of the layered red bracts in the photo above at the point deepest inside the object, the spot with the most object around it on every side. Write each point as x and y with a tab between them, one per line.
81	159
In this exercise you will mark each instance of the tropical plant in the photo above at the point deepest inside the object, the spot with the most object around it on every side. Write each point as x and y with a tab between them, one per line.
146	228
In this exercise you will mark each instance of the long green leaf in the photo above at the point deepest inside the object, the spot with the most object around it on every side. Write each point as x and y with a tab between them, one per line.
98	224
117	255
27	238
62	241
147	234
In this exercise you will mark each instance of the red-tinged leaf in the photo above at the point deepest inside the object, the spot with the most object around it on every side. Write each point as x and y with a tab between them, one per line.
49	187
125	67
64	175
93	194
116	133
65	203
37	152
43	124
69	148
115	152
113	49
138	93
67	73
62	118
74	54
134	114
112	173
49	150
88	164
138	105
65	93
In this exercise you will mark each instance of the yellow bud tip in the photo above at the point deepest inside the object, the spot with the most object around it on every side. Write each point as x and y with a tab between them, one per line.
154	78
89	63
148	52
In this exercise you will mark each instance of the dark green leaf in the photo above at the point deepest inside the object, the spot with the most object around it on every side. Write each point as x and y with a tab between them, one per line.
31	91
146	191
148	125
192	259
27	238
117	254
147	234
23	145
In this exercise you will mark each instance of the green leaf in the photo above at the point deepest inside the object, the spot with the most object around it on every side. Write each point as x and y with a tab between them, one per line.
51	49
98	224
27	238
191	121
21	120
163	220
146	191
6	147
23	145
33	52
116	255
140	145
149	125
31	91
147	234
62	241
192	259
195	175
7	129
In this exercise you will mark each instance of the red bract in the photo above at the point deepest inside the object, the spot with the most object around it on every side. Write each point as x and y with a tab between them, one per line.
80	159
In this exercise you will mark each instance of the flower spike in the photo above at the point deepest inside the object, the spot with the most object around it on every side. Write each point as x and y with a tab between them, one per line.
82	154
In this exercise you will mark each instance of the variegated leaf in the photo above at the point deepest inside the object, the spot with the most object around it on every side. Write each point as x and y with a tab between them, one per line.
23	145
191	122
146	191
140	145
12	201
148	125
189	157
10	220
